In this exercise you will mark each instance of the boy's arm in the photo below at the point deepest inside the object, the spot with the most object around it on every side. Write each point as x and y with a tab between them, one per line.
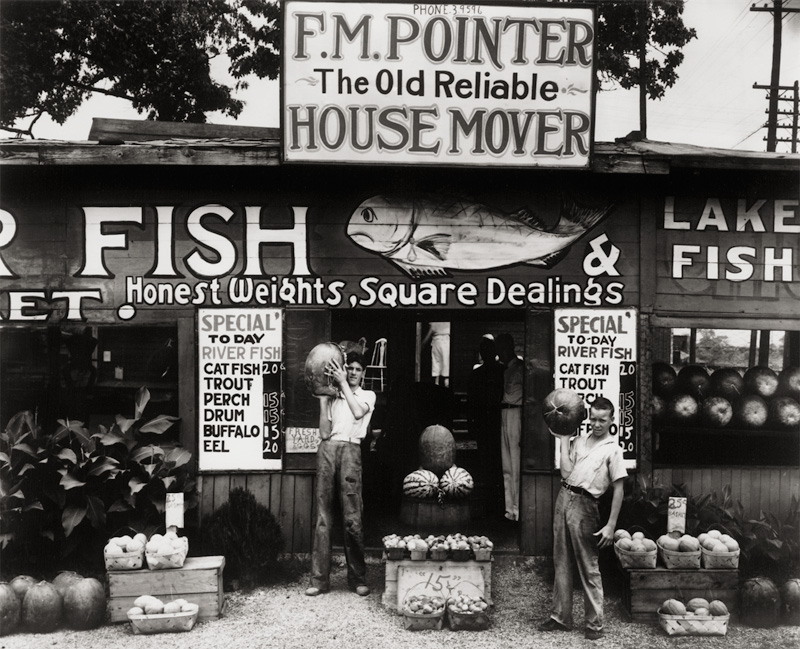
606	533
566	464
324	417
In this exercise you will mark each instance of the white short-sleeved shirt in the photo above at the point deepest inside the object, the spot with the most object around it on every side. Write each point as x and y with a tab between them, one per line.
344	426
596	468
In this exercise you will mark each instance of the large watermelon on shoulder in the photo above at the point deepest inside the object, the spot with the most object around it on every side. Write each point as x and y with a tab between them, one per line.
421	484
456	482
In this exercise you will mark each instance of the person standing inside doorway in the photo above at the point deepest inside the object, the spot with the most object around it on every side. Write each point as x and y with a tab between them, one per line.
589	466
439	336
343	424
510	422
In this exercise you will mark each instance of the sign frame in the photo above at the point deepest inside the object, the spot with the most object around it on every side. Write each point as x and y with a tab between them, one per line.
468	157
616	369
260	372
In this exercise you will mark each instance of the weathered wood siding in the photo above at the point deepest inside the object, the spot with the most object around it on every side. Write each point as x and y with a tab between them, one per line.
290	497
768	489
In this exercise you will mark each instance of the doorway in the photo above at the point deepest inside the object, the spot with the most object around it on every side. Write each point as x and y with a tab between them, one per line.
399	359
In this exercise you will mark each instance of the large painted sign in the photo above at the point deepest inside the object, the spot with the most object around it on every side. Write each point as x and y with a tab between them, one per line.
596	356
438	84
239	368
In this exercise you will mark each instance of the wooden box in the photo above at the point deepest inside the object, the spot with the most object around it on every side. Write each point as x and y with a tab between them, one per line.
199	581
644	591
446	573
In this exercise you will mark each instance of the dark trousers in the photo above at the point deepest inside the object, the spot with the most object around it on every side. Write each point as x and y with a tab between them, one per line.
338	472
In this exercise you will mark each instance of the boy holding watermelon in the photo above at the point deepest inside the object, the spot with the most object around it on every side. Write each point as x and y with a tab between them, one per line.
343	423
589	466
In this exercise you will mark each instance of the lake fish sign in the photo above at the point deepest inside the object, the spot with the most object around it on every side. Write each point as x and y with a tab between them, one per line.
438	84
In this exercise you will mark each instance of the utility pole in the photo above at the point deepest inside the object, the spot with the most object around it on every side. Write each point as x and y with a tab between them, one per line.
643	20
777	10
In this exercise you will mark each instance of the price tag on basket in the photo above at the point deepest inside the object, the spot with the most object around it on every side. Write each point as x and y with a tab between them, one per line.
676	516
174	511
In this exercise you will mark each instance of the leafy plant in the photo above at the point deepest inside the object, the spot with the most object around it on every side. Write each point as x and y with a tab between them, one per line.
770	547
249	536
72	490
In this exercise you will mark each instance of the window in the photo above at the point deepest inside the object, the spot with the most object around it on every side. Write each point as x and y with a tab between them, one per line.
726	396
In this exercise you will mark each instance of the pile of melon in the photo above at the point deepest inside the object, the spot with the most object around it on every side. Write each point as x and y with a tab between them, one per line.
28	604
695	607
636	542
758	398
456	482
151	605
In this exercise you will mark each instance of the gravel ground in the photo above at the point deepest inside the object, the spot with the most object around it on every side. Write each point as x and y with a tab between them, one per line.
282	617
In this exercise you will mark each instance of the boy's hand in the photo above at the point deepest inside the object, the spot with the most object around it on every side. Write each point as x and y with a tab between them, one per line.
606	534
336	372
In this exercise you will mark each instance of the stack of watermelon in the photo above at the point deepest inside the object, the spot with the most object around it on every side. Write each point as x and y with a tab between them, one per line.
758	398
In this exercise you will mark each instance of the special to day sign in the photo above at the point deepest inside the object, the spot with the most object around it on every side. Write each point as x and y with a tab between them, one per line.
438	84
595	355
239	357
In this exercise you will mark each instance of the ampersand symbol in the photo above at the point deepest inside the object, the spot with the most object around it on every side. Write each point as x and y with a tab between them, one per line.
598	262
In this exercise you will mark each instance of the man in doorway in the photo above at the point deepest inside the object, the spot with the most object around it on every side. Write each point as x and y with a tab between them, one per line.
343	424
510	422
484	393
589	466
439	336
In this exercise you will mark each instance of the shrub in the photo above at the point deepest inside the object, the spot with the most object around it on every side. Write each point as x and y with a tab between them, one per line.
249	536
66	492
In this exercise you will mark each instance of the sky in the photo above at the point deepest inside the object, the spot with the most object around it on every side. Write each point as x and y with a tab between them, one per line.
713	103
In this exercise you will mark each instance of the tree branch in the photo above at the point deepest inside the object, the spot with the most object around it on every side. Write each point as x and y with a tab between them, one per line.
102	91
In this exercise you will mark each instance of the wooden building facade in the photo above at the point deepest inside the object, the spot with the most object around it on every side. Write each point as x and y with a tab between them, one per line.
131	237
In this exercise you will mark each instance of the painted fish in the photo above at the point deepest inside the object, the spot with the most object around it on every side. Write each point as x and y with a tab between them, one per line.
429	236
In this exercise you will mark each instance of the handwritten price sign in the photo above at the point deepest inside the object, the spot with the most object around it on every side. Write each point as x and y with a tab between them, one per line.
440	579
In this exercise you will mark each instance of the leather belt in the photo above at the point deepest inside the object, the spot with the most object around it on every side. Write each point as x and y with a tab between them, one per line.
505	406
576	490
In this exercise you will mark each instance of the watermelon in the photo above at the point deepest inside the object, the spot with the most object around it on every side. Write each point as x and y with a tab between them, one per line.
728	383
751	411
421	484
563	411
683	409
664	378
317	382
456	482
694	380
789	382
759	602
761	380
437	449
784	413
716	412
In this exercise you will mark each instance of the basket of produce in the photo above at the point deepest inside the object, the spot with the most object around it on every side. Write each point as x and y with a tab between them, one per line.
439	554
635	551
481	547
418	549
421	613
679	553
150	615
166	552
459	547
395	547
125	552
697	617
720	551
465	613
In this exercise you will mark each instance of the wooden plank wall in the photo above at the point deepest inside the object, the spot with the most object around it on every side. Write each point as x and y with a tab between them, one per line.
768	489
290	497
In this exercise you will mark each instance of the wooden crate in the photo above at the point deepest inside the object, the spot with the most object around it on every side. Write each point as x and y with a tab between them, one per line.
457	569
645	590
199	581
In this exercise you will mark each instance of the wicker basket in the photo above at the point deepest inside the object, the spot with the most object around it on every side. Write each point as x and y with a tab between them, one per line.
439	554
694	624
467	621
163	622
125	561
395	554
419	555
720	560
638	560
170	560
460	554
421	621
482	554
675	560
